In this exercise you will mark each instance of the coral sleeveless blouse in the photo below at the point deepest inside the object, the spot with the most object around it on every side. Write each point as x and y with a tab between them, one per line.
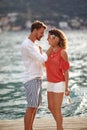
55	67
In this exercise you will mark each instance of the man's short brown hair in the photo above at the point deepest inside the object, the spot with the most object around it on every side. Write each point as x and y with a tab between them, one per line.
37	25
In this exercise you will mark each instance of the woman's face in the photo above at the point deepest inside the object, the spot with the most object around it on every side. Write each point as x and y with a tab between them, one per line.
53	40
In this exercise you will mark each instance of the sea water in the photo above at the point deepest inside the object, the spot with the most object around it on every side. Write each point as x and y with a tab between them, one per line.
12	94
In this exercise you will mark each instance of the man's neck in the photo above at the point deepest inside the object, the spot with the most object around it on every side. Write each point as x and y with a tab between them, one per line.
32	38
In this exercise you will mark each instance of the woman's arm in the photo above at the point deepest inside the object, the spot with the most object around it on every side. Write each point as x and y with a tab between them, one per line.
66	73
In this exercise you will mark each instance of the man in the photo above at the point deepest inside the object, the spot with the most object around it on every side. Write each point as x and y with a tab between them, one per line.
33	59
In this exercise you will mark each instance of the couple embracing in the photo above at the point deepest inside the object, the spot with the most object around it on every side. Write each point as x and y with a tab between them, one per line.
57	67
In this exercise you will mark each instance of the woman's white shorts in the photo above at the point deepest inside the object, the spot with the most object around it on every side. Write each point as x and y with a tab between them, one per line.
56	87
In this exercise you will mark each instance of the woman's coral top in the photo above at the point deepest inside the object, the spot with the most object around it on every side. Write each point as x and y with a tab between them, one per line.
55	67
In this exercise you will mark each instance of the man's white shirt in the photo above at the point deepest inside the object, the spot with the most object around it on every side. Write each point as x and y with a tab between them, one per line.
32	59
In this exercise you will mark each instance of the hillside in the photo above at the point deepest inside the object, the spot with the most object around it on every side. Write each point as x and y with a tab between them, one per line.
52	12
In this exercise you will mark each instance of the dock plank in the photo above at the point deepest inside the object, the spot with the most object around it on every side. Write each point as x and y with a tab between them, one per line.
69	123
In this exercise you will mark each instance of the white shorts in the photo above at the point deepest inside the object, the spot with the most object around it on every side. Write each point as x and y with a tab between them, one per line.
56	87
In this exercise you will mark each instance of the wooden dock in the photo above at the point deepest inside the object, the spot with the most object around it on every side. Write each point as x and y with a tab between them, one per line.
70	123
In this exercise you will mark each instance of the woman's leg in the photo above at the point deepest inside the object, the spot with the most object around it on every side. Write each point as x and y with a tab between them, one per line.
50	103
54	104
58	98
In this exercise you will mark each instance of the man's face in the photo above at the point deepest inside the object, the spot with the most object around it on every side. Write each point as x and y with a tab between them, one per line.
40	33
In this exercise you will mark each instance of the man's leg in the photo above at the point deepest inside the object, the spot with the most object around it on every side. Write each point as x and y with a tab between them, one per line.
29	118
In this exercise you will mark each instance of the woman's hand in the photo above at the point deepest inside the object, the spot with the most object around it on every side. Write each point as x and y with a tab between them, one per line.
49	51
67	92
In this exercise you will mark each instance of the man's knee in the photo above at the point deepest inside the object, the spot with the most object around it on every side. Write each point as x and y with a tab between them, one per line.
31	110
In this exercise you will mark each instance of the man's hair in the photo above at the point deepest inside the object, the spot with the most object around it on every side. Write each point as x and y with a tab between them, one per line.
37	25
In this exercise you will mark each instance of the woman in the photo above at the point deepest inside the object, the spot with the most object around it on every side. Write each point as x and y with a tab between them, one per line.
57	67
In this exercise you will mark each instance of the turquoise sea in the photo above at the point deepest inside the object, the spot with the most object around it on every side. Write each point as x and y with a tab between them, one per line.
12	94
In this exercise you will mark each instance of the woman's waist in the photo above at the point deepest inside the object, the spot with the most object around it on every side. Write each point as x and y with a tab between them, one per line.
55	78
